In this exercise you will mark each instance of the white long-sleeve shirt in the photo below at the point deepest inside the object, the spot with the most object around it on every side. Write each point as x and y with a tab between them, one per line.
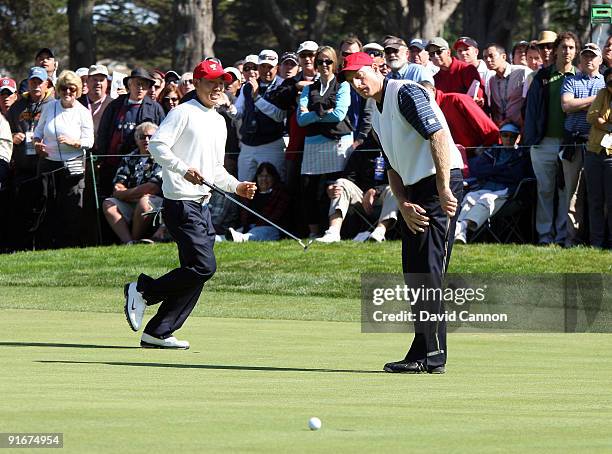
192	135
74	122
6	140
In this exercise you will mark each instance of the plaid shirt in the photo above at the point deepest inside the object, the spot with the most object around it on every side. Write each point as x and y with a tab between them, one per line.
136	169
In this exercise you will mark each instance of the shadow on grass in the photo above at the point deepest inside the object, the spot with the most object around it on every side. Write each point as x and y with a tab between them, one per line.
218	367
51	344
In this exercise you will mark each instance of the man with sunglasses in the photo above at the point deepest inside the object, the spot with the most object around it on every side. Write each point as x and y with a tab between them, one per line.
454	76
546	44
396	55
418	55
119	121
263	123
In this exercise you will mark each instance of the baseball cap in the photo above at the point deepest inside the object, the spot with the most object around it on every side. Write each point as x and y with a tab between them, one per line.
289	56
98	69
510	127
309	46
547	37
38	72
465	41
267	56
356	61
373	46
211	70
252	58
8	84
45	50
418	43
438	42
171	76
394	42
82	72
592	48
234	72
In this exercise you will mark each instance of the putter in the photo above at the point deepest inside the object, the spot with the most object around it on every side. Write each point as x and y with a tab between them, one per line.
263	218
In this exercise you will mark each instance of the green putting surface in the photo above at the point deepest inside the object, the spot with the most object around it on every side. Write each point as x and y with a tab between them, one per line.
251	385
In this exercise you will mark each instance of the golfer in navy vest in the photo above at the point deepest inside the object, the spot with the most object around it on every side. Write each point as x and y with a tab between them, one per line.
190	147
425	177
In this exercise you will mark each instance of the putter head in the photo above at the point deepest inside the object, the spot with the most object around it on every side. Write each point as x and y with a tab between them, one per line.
308	244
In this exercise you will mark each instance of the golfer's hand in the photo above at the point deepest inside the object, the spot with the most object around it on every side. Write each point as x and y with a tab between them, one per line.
246	189
414	215
193	176
448	202
368	201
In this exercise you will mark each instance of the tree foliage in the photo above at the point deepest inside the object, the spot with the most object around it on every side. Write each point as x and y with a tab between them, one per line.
144	32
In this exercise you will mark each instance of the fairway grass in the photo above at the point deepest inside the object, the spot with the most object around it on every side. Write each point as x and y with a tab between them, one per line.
251	385
275	340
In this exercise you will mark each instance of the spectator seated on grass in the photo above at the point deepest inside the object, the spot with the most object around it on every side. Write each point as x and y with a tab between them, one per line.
497	171
271	200
364	186
137	189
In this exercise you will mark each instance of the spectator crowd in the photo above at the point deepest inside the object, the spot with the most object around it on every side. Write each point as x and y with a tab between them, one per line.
75	169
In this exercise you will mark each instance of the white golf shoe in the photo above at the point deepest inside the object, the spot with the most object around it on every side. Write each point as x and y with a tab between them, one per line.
237	237
330	236
134	306
460	232
148	341
378	234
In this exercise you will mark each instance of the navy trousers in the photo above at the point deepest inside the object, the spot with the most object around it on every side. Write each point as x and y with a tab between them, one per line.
422	262
178	291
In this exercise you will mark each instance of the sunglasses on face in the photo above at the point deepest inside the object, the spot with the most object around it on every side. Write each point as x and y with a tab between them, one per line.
69	89
307	55
188	82
374	53
346	53
391	50
170	98
5	93
545	46
326	61
436	52
249	68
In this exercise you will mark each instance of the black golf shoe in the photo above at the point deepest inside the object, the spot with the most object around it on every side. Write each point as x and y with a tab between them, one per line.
405	367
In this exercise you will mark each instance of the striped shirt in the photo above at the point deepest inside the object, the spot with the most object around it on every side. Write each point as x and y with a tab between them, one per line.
415	107
581	86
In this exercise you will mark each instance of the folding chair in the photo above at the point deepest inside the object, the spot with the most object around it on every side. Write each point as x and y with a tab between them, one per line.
515	220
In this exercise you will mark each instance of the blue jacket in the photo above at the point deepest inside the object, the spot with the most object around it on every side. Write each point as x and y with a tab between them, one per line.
257	128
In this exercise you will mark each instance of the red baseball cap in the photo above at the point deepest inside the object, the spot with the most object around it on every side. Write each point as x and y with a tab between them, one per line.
356	61
211	70
8	84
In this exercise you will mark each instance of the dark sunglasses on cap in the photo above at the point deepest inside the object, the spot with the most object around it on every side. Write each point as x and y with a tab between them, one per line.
326	61
6	92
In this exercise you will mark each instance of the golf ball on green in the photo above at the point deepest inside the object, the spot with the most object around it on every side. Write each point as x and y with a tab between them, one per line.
314	423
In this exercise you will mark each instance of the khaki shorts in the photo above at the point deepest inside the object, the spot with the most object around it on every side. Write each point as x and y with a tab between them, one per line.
127	208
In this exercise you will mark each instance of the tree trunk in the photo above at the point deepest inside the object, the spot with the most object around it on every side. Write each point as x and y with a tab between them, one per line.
427	17
81	33
489	21
280	25
318	12
541	17
194	34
